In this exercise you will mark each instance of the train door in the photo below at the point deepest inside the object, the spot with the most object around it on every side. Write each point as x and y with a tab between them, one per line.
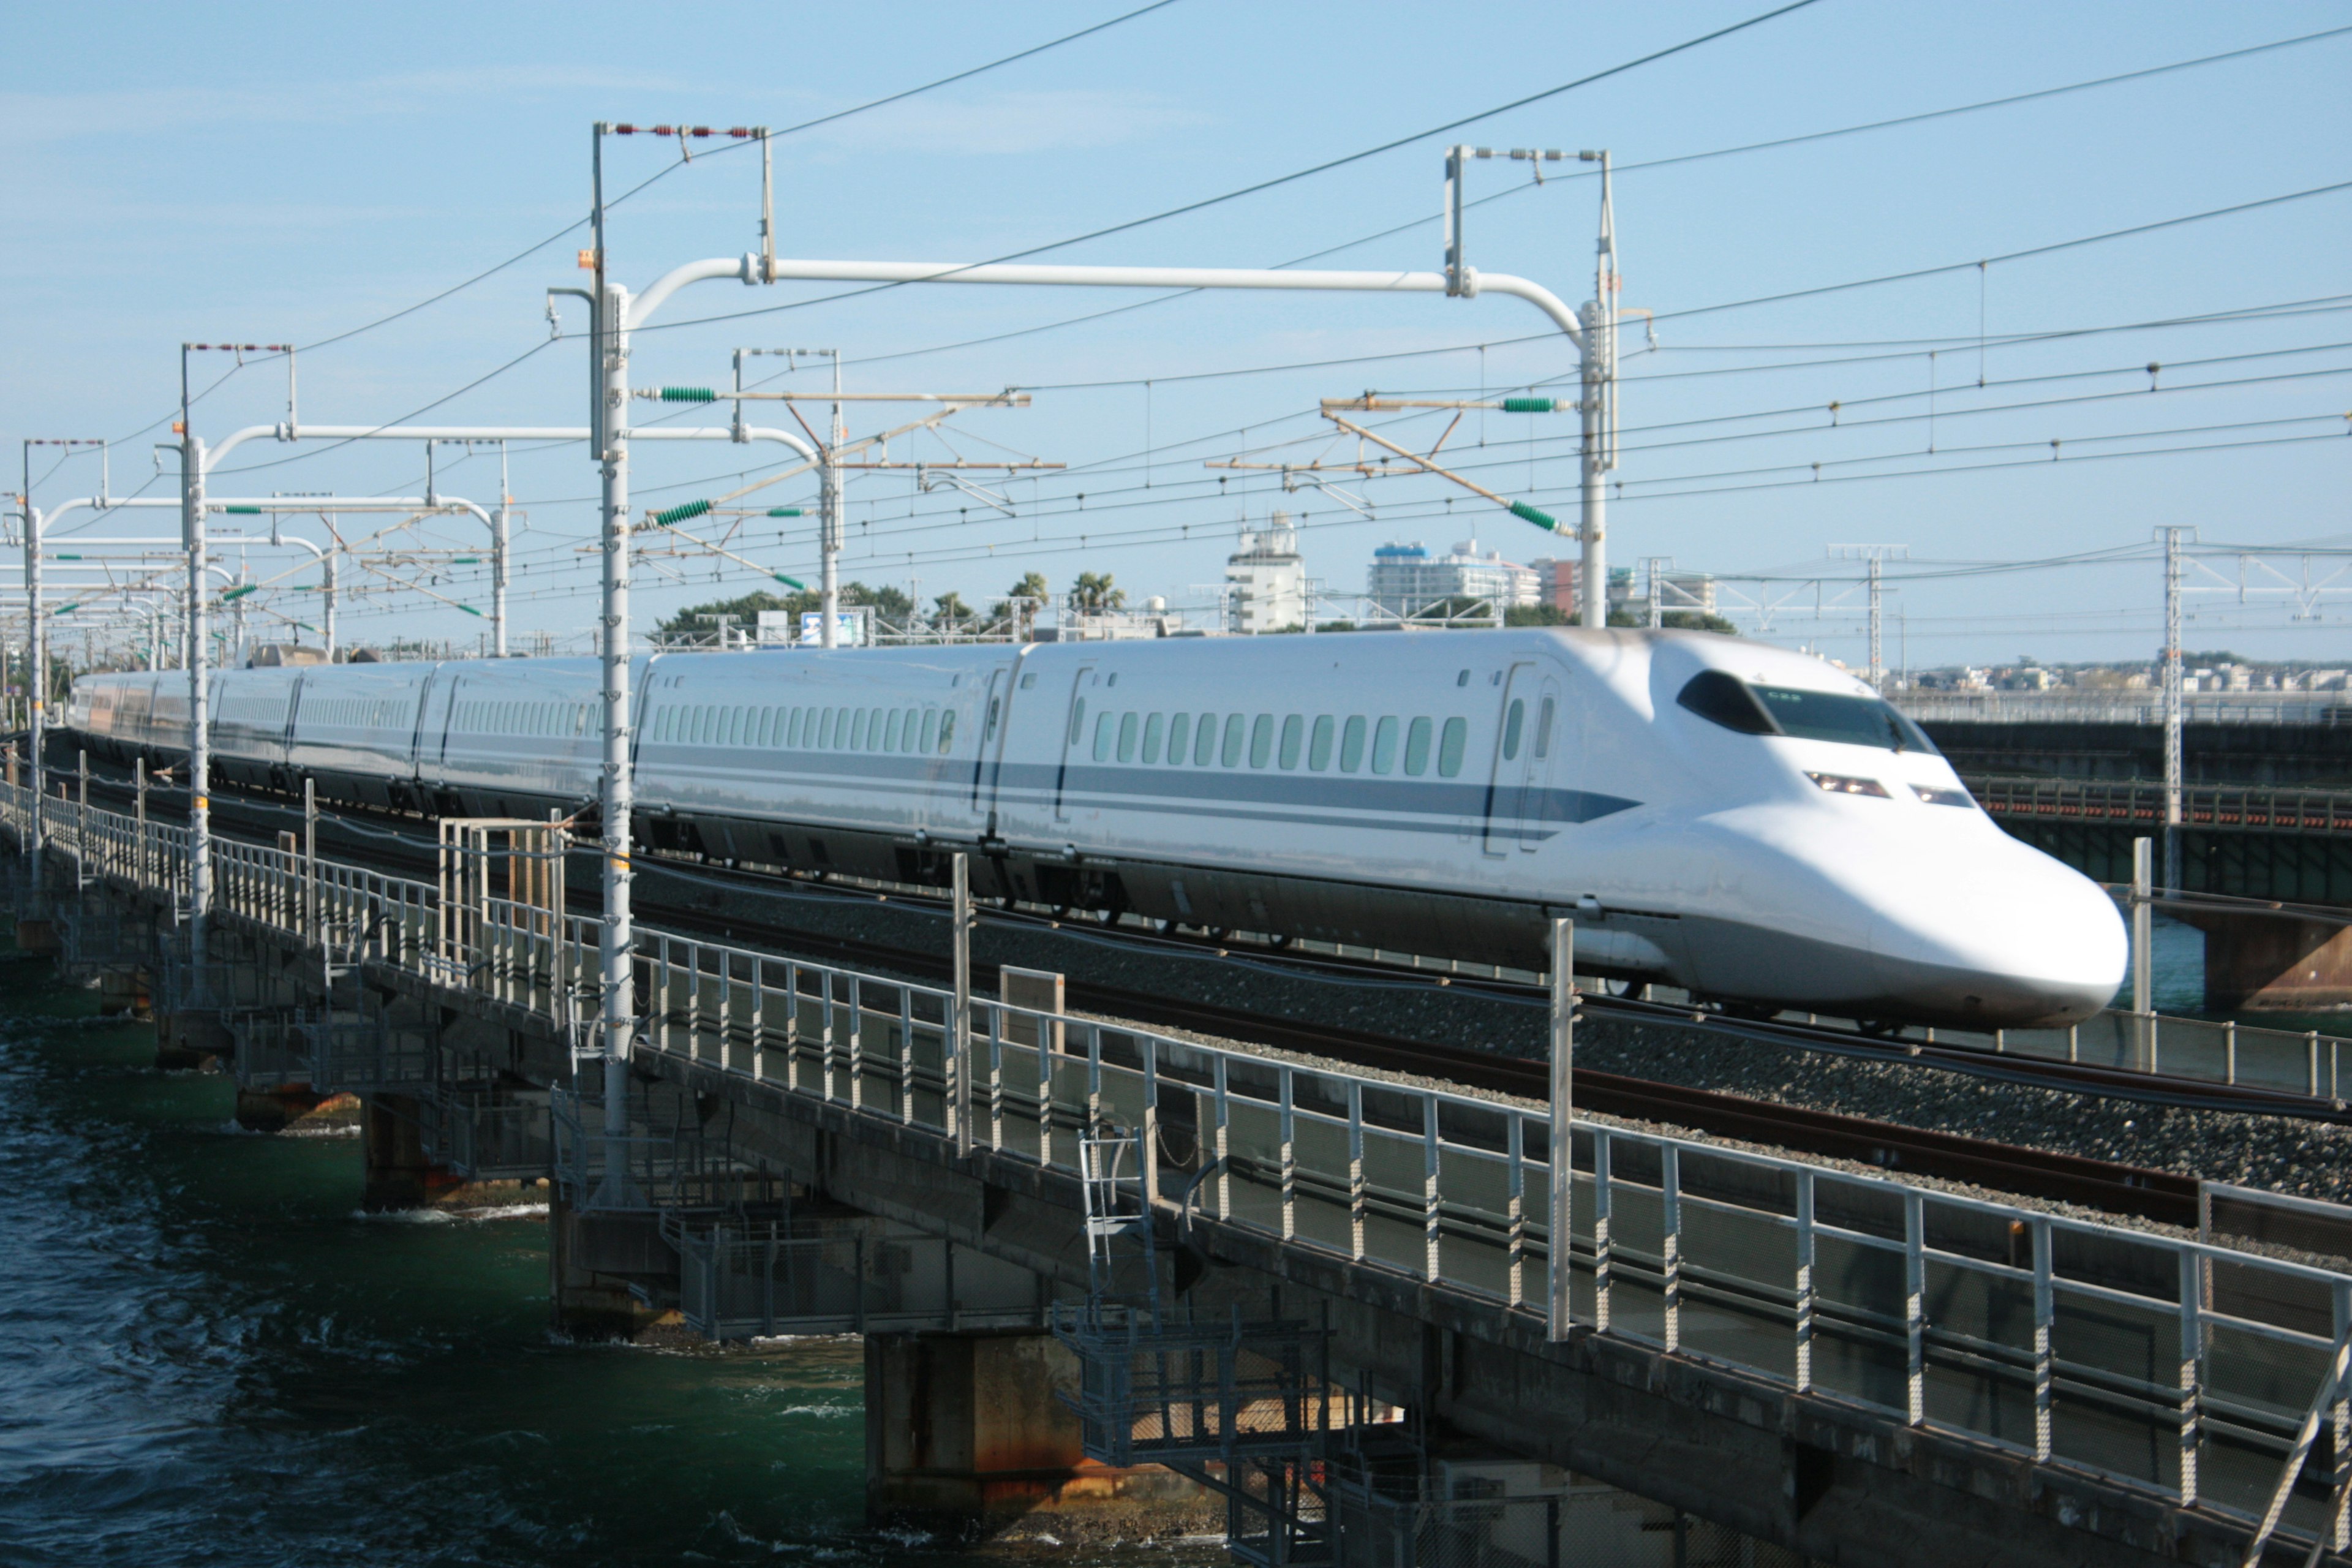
1516	771
989	751
1073	737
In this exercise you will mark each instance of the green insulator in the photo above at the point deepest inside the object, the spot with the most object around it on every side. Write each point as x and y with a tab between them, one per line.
239	593
465	561
1540	519
680	513
242	510
470	610
688	395
1532	405
789	582
64	610
785	511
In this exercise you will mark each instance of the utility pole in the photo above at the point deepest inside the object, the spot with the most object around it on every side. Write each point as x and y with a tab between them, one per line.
498	541
1599	410
1874	557
2173	762
618	1007
200	743
830	464
37	646
1653	576
829	580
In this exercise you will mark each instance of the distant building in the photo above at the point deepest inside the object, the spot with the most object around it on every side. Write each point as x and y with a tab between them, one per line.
1265	580
1556	584
1406	579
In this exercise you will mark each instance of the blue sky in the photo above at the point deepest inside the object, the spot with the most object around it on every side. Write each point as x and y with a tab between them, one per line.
280	173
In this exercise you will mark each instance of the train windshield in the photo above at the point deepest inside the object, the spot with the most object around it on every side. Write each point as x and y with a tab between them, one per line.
1727	701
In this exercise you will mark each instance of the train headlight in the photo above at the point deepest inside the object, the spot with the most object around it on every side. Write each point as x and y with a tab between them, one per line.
1843	784
1935	794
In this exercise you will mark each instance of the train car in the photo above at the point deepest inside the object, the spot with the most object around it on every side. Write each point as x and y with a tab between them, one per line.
1747	823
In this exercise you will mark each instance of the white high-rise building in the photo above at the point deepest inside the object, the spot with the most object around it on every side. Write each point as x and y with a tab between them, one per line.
1265	580
1406	579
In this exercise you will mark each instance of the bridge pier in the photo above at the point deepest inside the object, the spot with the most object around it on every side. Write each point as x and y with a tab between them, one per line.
277	1110
191	1039
965	1434
592	1261
2272	961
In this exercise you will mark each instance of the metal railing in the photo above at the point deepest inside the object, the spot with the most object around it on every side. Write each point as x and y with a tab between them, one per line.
2186	1368
2322	707
2197	1372
2140	803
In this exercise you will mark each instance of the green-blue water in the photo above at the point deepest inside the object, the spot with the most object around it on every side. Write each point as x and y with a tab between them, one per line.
207	1356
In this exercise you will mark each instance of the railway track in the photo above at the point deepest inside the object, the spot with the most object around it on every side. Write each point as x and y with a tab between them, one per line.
2105	1185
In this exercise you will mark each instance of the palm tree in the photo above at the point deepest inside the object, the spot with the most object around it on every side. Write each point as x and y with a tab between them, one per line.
1094	592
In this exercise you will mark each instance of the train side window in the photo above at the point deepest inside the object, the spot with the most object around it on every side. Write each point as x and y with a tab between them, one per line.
767	724
1153	732
1078	715
822	723
1384	747
1127	737
995	707
874	730
1180	737
1028	680
947	731
1231	752
1452	741
931	727
793	720
783	722
1351	744
1204	740
1319	746
1543	730
1102	736
897	730
1294	731
1515	720
1416	748
1261	740
856	731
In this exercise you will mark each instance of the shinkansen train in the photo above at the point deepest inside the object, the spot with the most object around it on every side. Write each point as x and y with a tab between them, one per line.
1744	822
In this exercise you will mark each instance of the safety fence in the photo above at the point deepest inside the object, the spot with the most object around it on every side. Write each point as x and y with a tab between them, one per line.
2140	803
2202	1373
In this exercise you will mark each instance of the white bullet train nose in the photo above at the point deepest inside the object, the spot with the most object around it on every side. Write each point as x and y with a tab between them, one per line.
1959	925
2005	937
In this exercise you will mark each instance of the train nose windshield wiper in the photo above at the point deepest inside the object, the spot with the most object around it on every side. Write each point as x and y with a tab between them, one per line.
1724	698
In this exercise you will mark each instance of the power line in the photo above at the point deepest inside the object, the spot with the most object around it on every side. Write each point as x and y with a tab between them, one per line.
1280	180
2011	256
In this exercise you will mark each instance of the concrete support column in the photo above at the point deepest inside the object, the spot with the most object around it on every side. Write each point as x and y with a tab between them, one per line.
187	1040
2259	961
399	1176
592	1259
965	1435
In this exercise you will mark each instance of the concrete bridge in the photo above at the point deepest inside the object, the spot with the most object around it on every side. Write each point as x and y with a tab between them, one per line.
1373	1320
